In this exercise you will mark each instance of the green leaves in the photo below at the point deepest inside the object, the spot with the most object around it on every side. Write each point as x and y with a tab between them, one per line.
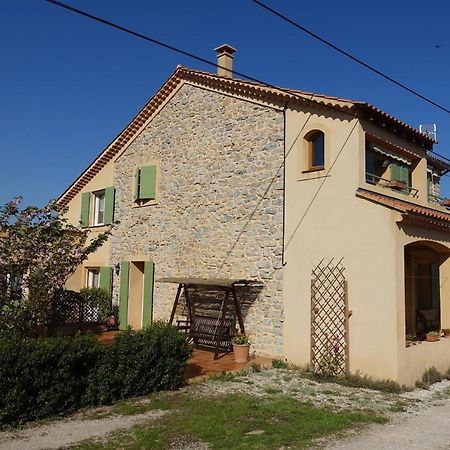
39	250
48	376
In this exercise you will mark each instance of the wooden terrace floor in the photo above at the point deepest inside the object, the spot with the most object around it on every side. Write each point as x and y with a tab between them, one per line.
202	364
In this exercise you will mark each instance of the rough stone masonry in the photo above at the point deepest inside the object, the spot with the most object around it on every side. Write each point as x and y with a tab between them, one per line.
219	206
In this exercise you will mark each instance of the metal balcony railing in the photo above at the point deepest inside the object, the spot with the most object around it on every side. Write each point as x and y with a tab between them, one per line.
392	185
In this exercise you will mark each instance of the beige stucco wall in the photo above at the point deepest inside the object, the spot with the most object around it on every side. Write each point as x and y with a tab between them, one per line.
100	258
324	219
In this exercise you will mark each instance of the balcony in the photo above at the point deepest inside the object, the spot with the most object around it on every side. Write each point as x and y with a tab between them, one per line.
393	185
441	201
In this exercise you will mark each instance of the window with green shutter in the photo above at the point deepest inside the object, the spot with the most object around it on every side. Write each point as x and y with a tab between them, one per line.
400	172
85	208
106	279
99	210
123	294
145	184
109	206
147	309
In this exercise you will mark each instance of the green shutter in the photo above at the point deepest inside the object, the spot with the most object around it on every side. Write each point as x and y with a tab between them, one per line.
435	295
400	172
85	203
106	279
123	294
395	171
147	182
109	206
137	176
147	311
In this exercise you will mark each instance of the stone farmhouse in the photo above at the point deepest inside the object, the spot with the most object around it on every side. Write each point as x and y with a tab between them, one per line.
332	205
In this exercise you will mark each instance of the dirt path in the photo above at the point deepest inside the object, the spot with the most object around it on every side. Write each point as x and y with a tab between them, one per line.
60	434
428	429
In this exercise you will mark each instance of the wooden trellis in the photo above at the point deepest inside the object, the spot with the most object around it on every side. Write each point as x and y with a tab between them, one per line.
329	319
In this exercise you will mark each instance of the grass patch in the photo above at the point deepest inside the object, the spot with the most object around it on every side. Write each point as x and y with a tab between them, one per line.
398	406
235	421
229	376
271	390
358	381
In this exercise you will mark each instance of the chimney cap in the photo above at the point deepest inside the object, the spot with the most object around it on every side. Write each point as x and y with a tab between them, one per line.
225	48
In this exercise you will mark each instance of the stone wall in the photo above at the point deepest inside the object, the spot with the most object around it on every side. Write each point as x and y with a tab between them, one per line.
218	156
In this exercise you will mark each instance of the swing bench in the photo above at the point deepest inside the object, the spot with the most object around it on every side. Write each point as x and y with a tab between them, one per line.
208	311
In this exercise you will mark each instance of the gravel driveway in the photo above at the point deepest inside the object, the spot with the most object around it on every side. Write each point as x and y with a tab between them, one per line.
427	430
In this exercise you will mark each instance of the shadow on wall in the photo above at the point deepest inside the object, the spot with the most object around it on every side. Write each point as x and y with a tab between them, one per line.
207	300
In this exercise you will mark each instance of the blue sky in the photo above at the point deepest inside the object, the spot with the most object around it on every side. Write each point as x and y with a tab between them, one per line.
68	85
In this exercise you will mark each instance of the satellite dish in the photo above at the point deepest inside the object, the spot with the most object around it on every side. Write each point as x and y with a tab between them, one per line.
429	129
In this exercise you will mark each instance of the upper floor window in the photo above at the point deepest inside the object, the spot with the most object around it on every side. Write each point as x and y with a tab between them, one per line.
145	188
315	150
99	207
387	169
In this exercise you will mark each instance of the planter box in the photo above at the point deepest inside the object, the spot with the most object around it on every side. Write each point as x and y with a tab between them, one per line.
397	185
433	338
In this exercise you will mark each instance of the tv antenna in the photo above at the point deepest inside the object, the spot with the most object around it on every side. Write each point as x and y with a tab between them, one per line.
430	130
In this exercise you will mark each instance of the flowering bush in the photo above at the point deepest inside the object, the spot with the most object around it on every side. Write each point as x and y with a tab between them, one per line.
333	359
39	250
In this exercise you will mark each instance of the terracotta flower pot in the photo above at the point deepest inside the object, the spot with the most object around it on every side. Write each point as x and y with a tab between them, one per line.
241	352
433	338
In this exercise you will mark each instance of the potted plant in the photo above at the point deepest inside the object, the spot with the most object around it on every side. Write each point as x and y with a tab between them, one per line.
410	339
446	332
241	348
433	336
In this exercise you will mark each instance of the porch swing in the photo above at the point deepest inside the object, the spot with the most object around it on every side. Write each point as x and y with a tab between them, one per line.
208	311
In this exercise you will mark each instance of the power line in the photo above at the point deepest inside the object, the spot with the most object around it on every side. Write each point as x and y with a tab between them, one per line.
170	47
350	56
210	63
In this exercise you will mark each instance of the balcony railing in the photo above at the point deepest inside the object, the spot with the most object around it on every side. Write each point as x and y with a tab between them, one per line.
392	185
445	202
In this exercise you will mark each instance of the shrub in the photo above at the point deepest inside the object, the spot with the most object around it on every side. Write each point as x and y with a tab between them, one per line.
98	298
280	364
140	362
49	376
431	376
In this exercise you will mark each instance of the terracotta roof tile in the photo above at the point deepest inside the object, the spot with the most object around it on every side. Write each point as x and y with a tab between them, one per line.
232	85
411	213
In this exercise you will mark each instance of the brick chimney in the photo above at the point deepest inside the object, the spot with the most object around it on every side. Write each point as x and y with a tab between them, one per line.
225	54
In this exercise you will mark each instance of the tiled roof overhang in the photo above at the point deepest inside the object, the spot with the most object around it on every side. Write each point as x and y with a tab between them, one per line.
231	86
411	213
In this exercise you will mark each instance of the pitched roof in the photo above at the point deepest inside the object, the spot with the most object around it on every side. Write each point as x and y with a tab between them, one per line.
412	214
277	95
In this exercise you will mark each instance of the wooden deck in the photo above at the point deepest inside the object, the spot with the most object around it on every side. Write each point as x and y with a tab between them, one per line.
202	364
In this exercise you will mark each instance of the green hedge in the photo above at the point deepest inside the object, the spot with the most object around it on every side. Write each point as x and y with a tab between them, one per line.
44	377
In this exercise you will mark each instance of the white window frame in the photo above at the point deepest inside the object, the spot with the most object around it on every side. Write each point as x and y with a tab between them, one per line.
99	202
93	277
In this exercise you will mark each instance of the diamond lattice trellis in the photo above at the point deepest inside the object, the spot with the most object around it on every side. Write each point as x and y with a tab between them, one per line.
329	318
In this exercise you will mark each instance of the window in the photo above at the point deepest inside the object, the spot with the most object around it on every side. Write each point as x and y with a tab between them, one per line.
93	277
385	168
99	207
145	189
315	150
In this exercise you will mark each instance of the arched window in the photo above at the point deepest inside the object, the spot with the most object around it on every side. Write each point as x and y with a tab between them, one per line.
315	149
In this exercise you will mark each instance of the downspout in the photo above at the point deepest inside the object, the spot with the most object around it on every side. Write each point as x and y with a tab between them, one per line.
283	262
